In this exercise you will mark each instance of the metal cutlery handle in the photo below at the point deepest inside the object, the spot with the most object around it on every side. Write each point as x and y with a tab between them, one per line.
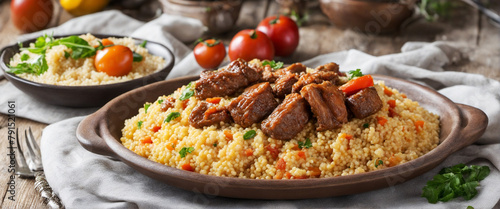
43	187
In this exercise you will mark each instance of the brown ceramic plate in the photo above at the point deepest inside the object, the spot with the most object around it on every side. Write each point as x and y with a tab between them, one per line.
100	133
84	96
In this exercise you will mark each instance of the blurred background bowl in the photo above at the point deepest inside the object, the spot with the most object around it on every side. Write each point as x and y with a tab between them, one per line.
369	16
218	16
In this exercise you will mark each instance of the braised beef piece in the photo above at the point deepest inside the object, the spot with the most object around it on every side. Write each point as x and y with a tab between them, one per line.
288	119
364	103
206	114
168	103
268	74
332	66
296	68
327	104
253	105
226	81
315	77
284	84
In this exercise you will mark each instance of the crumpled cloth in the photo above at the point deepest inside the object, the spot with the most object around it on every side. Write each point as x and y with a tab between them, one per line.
86	180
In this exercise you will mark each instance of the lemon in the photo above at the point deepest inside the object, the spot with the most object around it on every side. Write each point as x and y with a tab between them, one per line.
83	7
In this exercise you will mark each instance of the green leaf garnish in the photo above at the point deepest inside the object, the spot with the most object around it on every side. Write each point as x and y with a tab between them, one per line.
456	181
139	124
355	73
215	144
378	162
146	107
66	54
366	125
273	64
38	67
143	44
307	144
185	150
160	101
172	116
137	57
25	57
187	93
249	134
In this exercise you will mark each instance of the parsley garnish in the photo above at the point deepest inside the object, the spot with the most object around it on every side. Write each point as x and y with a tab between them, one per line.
249	134
143	44
172	116
366	125
273	64
455	181
139	124
160	101
378	162
137	57
355	73
306	144
215	144
187	92
37	67
146	107
185	150
25	57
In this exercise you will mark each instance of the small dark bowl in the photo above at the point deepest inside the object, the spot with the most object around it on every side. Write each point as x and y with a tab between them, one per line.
100	133
84	96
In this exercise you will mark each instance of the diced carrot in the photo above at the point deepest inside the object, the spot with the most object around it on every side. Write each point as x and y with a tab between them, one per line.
281	164
381	120
147	140
301	154
211	110
394	160
392	103
273	150
392	113
170	146
214	100
249	152
419	125
288	175
403	95
300	177
279	174
187	167
106	42
155	128
185	103
296	147
315	171
348	136
388	92
354	85
228	134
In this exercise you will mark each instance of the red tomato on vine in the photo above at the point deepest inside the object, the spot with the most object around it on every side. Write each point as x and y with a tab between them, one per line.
251	44
209	53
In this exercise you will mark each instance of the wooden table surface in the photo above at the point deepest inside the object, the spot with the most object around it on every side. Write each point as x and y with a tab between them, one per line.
466	27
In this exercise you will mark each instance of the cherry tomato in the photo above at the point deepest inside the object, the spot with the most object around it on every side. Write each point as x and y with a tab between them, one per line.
283	32
209	53
114	61
251	44
31	15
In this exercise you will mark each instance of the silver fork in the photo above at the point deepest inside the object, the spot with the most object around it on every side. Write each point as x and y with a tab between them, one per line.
32	166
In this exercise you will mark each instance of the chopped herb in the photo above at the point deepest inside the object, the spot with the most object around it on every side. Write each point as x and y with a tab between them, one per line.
185	150
160	101
139	124
172	116
366	125
38	67
378	162
455	181
146	107
470	207
187	93
137	57
66	54
306	144
274	65
355	73
249	134
215	144
143	44
25	57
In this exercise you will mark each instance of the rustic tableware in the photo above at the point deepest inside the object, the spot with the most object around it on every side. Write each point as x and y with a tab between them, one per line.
84	96
461	125
370	16
218	16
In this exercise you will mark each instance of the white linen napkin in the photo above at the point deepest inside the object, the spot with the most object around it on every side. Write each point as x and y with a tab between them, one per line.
104	183
168	30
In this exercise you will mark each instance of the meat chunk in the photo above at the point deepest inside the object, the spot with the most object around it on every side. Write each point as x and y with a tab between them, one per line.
364	103
288	119
253	105
284	84
206	114
332	66
327	104
226	81
168	103
315	77
296	68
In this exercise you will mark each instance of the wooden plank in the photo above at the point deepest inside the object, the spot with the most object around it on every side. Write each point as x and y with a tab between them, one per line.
486	57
